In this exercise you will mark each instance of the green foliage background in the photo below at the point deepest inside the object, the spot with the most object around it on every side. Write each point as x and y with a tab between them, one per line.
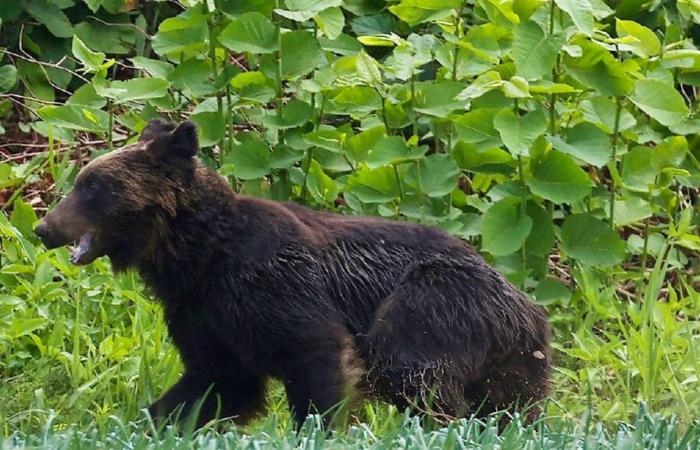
560	137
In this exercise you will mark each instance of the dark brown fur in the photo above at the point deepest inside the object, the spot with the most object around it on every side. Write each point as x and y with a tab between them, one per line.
254	289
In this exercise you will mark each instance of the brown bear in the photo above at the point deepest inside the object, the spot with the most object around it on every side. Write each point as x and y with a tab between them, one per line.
254	289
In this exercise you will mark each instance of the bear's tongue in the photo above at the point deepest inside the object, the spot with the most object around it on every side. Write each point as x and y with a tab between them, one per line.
79	250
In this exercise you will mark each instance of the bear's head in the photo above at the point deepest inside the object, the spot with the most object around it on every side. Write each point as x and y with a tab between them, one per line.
121	202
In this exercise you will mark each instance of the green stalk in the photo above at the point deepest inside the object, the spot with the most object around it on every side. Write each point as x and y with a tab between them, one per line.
384	119
551	16
613	184
110	126
215	71
398	180
413	104
646	234
458	23
229	118
309	153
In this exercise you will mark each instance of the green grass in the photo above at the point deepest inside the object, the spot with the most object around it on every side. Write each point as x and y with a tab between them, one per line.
645	432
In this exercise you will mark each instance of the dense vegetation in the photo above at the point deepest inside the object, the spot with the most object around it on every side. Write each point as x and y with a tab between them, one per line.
558	136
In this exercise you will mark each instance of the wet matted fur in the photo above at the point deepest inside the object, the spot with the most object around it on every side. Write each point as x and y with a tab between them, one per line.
254	289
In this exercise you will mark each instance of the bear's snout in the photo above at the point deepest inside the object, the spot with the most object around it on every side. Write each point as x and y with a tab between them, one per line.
49	236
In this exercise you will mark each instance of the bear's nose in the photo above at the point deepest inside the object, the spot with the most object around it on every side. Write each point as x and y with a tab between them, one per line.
42	230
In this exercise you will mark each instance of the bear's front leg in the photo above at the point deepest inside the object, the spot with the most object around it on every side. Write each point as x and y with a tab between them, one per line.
322	371
238	397
214	384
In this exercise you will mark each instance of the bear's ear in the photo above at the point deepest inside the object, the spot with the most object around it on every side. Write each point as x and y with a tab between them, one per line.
155	128
180	143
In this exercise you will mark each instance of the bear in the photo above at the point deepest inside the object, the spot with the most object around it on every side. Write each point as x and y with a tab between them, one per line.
254	289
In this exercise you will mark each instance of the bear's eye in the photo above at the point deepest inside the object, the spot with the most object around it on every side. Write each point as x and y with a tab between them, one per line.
90	186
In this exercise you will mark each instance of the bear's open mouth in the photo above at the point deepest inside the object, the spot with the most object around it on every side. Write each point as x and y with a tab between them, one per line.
81	248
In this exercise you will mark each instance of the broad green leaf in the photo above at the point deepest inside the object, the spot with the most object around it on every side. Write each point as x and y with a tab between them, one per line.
602	110
234	8
251	32
393	150
477	127
435	175
409	56
484	83
535	52
660	100
76	117
301	53
8	77
581	12
550	291
556	177
110	38
468	157
359	146
135	89
374	185
356	100
525	8
368	69
193	76
51	16
591	241
646	43
186	32
211	126
330	139
303	10
321	186
23	217
598	69
343	45
586	142
541	238
293	114
504	227
500	12
547	87
519	133
632	210
284	157
155	67
251	158
331	22
380	40
642	165
90	60
516	87
254	86
415	12
438	98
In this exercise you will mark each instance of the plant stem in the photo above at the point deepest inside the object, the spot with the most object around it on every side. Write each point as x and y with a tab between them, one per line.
214	70
646	234
398	180
110	126
229	118
523	201
413	104
551	16
613	162
458	32
310	153
384	119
